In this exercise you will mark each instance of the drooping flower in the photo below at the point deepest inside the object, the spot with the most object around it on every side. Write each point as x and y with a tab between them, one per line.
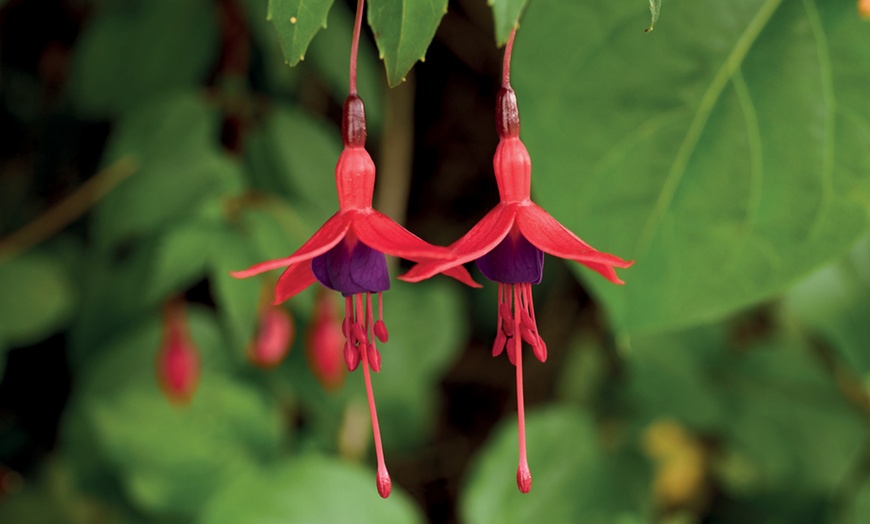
347	254
508	246
324	343
177	358
273	339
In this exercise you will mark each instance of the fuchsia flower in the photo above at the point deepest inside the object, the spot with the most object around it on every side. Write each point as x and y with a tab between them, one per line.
273	339
508	246
347	255
324	343
177	358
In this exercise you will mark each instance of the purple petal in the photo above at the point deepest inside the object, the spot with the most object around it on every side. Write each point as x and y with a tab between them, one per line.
513	261
351	270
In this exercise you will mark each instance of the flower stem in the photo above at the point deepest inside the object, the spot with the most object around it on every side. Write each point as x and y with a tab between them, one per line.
69	209
354	46
506	68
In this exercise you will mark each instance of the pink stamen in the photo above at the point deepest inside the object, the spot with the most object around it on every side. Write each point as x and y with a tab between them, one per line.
380	327
524	476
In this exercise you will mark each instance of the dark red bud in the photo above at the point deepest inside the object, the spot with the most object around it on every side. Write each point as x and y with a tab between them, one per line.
353	122
507	114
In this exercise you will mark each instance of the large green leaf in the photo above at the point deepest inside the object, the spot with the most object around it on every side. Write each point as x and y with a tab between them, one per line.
296	22
725	153
135	50
506	14
308	489
403	30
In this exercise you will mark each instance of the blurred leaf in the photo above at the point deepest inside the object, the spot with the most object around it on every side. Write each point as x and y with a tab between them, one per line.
36	299
182	166
673	377
182	256
403	31
309	488
296	22
787	416
835	301
172	458
237	300
296	153
506	14
574	479
427	330
673	151
135	50
655	8
323	57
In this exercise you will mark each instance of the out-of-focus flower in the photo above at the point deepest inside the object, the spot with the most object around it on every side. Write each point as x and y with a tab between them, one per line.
273	339
177	359
325	341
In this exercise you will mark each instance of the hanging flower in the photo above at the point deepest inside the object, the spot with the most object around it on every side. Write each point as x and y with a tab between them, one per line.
273	339
177	358
508	246
347	254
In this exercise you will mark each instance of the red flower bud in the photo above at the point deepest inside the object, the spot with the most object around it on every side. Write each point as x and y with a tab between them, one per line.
177	359
274	338
325	346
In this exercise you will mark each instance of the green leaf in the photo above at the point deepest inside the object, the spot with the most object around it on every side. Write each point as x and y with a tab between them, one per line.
174	141
684	161
296	153
37	297
506	14
835	303
427	330
309	488
655	8
170	458
403	30
297	21
573	478
132	51
182	256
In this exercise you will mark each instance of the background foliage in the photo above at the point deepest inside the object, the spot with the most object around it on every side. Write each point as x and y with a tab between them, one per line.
152	146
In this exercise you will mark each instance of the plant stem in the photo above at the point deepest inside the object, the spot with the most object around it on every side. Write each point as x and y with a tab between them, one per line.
69	209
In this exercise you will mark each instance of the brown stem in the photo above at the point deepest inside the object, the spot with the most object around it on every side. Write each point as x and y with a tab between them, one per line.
67	210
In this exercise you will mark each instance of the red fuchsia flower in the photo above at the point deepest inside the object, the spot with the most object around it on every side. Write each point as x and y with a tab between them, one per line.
273	339
508	246
324	343
177	358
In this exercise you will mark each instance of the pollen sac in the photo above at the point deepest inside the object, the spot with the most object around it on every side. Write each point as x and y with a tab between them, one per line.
351	356
381	331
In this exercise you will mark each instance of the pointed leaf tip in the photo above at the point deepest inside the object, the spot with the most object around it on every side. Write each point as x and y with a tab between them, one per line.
655	7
